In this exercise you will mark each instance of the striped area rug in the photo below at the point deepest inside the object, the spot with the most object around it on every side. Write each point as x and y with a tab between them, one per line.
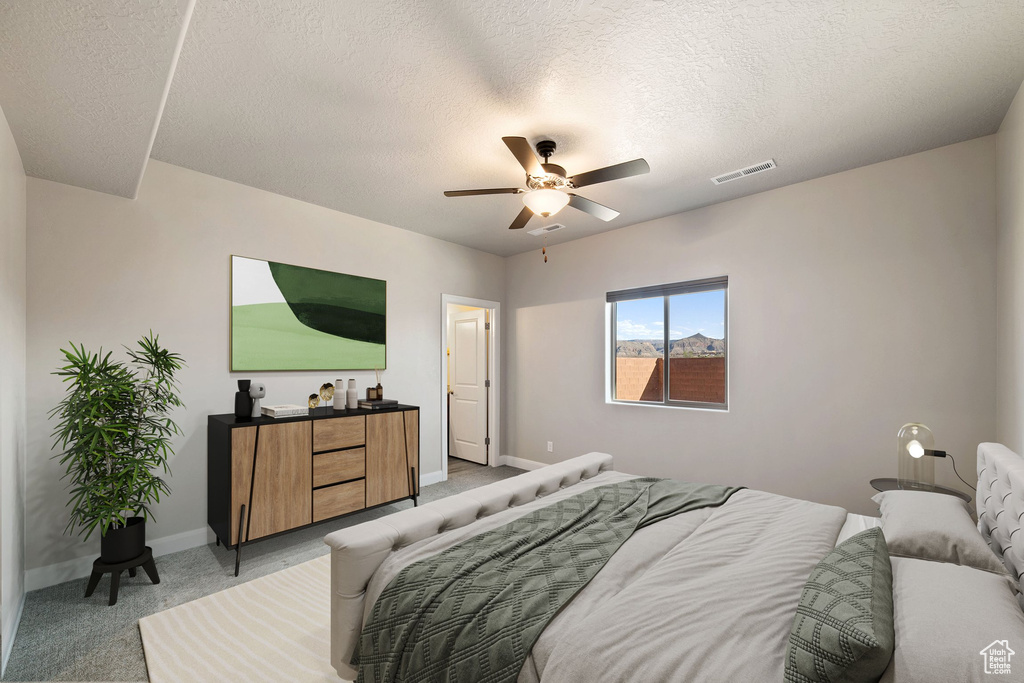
274	628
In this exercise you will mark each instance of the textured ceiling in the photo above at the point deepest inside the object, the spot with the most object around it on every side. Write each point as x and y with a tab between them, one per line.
376	108
82	84
375	111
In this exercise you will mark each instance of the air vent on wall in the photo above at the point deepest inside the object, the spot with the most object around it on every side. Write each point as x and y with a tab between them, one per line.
744	172
546	229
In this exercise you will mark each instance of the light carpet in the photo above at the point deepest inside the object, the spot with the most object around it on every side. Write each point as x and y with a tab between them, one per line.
64	637
274	628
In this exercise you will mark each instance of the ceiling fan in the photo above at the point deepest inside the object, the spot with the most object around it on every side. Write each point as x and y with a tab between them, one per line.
549	185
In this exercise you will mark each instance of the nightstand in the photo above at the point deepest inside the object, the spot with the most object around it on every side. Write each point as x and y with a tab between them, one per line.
892	484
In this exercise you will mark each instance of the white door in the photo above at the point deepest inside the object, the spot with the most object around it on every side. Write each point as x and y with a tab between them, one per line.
468	384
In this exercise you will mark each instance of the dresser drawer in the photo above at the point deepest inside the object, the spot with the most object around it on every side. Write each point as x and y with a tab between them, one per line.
337	500
330	468
338	432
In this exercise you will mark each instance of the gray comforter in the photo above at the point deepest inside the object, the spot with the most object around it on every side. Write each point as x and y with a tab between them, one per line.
707	595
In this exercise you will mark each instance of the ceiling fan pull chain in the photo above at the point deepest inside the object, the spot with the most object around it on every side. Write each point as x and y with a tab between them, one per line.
544	249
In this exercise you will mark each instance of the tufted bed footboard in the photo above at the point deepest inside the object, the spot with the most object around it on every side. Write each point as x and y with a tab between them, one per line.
357	552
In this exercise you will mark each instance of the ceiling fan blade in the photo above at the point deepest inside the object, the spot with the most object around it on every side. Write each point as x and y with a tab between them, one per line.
471	193
522	219
603	175
593	208
523	152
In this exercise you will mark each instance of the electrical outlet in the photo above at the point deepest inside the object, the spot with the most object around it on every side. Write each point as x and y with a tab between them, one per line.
551	447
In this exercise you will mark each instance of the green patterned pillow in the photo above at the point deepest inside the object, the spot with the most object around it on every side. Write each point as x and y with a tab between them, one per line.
843	630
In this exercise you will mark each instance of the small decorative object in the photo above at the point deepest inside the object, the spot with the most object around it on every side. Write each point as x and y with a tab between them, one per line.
339	394
285	410
257	391
352	396
314	401
371	393
913	442
326	392
378	404
380	389
243	404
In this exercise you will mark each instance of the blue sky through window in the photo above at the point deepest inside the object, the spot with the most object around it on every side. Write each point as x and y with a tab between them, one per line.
702	312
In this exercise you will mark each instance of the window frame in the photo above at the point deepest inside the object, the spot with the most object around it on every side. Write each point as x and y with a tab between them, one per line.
666	291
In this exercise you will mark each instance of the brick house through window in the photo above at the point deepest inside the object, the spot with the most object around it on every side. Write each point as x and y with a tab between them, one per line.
683	325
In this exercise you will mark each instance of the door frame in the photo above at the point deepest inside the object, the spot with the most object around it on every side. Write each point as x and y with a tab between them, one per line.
494	397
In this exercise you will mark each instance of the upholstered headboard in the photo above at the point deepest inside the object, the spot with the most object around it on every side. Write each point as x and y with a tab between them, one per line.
357	552
1000	501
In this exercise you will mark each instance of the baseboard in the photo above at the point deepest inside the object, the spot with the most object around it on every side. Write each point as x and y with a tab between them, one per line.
428	478
53	574
520	463
80	567
10	631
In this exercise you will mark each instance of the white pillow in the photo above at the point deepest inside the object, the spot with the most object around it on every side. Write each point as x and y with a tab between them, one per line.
934	526
944	616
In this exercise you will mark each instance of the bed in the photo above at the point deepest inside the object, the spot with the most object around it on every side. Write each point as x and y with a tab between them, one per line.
711	591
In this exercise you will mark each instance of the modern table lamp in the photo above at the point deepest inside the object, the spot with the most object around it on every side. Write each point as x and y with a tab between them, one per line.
915	470
915	455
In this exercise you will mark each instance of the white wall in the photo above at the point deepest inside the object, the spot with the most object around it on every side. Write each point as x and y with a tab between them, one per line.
858	302
1010	276
12	387
104	270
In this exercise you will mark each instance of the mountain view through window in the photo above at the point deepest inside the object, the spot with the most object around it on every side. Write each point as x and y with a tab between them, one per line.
696	353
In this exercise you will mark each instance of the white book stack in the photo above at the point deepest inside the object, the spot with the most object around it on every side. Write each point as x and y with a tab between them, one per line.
285	410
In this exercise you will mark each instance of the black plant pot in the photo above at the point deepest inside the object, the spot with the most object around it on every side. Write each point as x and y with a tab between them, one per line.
124	543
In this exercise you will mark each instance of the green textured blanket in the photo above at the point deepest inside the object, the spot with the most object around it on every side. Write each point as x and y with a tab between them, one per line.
471	613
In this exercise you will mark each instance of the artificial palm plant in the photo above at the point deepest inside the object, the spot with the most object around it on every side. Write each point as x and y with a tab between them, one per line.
114	432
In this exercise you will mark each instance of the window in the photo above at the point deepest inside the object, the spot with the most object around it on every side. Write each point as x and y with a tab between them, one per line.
669	344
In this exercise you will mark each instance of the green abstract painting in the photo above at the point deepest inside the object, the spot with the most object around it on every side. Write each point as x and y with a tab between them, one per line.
287	317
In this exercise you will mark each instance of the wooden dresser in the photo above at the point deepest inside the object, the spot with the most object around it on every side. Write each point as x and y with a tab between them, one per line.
266	476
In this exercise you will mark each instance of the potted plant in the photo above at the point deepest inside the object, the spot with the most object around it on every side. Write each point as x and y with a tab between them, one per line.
114	435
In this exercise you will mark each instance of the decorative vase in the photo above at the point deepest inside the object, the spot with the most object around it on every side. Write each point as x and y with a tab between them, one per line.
339	395
351	395
380	391
257	391
123	543
243	403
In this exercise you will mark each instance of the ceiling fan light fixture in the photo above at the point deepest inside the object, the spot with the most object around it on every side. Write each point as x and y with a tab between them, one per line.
548	184
546	202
